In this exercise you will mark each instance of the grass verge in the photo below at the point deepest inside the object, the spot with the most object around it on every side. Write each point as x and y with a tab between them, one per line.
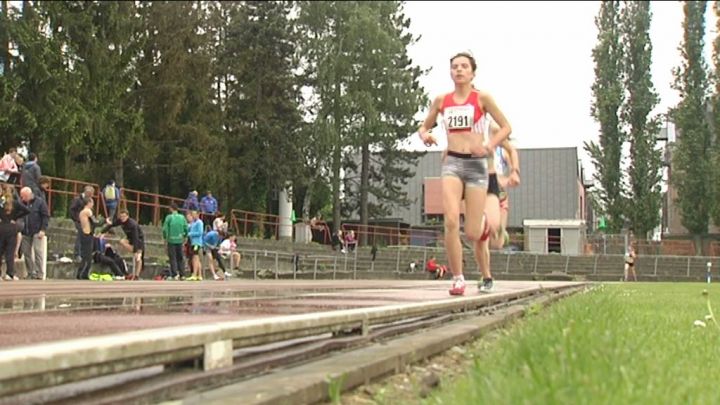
619	344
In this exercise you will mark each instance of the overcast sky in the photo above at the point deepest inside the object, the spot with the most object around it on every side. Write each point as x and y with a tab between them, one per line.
535	59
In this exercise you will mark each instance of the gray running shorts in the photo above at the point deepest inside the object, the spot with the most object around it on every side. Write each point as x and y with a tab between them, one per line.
472	171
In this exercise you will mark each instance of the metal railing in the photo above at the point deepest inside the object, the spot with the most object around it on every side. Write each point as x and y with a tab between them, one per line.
397	259
255	224
62	191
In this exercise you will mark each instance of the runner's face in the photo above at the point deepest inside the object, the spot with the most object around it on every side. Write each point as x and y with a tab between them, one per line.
461	70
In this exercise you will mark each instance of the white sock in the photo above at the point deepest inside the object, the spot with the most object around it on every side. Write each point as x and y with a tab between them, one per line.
460	277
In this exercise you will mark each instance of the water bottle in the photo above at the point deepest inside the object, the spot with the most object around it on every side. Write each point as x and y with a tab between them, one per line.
709	276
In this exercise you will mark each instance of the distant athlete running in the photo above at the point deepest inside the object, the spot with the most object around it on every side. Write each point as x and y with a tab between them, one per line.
496	207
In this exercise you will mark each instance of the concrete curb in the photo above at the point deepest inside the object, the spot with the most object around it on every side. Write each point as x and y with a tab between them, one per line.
310	383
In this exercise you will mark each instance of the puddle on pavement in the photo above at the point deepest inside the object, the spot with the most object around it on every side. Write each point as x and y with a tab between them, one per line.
262	302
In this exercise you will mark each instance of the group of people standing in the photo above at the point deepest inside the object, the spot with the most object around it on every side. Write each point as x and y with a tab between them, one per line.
188	237
24	216
95	248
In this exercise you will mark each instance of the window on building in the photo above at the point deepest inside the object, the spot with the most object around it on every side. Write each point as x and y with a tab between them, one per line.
553	240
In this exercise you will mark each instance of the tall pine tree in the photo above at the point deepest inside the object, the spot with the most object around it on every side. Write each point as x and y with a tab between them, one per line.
104	42
608	96
691	158
386	95
646	160
262	117
715	152
366	94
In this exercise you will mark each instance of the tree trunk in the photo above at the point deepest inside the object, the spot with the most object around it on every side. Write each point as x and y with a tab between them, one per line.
307	200
364	184
4	40
59	204
337	156
119	172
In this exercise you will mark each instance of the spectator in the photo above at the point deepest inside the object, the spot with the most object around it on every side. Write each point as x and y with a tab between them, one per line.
336	241
111	195
316	227
211	247
107	256
195	235
220	225
191	202
209	207
175	230
134	242
9	171
77	205
373	251
45	188
30	176
87	241
228	248
435	269
10	211
35	224
350	241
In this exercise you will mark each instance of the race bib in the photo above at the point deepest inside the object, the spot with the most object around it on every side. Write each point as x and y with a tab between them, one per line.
459	116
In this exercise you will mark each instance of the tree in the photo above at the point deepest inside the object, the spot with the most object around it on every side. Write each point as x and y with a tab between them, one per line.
385	94
367	91
262	117
12	114
180	149
608	99
326	38
691	160
50	115
646	160
104	40
715	123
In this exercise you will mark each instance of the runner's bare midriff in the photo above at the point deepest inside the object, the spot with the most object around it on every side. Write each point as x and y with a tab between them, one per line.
462	142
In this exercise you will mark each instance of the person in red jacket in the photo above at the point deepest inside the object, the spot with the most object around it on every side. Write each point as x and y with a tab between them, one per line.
438	270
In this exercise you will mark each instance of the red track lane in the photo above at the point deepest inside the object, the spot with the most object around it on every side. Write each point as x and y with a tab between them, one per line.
40	311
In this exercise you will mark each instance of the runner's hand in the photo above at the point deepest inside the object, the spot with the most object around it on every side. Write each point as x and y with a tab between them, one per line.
514	179
428	139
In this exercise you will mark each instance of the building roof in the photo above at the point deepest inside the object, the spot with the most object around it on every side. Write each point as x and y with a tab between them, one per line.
554	223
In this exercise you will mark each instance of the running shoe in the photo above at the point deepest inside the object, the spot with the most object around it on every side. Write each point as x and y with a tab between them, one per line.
106	277
458	287
487	286
94	277
228	274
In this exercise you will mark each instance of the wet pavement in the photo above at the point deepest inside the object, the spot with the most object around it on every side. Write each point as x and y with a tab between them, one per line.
40	311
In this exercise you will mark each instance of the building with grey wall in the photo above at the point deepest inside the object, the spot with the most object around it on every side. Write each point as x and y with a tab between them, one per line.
551	187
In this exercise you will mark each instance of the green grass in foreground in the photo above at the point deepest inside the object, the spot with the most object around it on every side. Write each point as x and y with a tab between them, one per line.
617	344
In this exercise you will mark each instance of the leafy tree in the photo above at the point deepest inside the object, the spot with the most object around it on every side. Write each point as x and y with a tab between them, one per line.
691	159
608	98
646	160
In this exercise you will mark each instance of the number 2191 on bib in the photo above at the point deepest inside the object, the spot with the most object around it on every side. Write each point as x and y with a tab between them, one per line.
459	117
